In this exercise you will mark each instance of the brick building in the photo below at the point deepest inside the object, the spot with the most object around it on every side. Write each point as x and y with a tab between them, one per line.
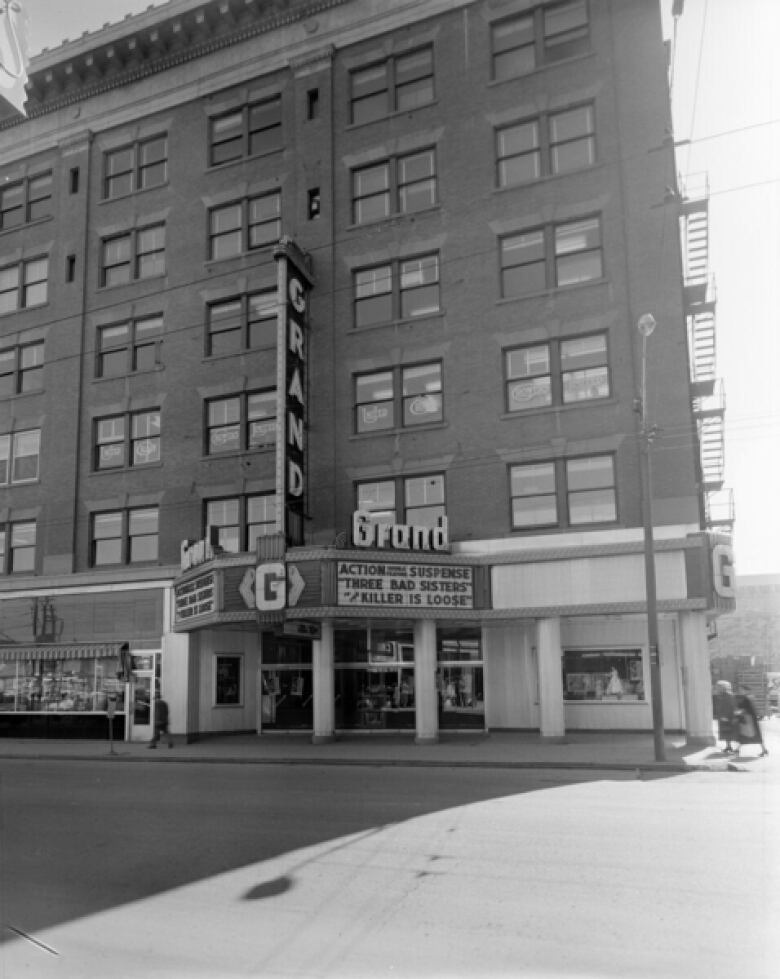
319	373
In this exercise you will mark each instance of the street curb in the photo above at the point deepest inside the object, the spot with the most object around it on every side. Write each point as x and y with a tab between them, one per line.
647	768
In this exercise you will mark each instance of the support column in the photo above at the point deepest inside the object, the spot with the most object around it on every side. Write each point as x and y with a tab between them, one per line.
552	722
323	686
697	684
427	707
181	693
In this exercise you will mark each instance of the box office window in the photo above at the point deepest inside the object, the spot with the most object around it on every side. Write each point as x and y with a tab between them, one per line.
228	680
603	675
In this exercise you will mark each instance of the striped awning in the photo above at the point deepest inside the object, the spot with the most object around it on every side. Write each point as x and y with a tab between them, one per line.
63	650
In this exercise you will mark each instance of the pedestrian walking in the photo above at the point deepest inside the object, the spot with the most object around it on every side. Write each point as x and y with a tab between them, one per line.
748	729
160	721
723	709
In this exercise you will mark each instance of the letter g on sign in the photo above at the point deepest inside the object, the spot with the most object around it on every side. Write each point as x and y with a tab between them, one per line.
271	587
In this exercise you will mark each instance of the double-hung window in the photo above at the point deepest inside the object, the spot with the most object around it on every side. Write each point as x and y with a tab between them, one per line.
417	500
523	43
245	322
21	369
402	397
139	166
23	285
127	440
241	520
130	346
137	254
401	185
404	289
247	131
25	200
547	145
20	457
399	84
549	257
563	492
242	422
559	372
17	547
241	226
128	536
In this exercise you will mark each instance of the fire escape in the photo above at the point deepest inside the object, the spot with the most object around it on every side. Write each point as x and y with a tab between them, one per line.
707	390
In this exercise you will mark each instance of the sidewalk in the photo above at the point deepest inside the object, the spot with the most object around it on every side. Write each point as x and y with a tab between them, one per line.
587	750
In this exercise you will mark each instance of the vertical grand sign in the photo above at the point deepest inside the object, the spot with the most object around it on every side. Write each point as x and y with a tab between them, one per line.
294	281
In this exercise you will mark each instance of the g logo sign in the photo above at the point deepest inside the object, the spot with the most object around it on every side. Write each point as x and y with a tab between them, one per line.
271	587
723	571
297	295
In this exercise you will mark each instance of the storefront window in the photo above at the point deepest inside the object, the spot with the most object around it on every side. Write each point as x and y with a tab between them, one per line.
286	699
228	681
374	679
606	676
64	685
460	678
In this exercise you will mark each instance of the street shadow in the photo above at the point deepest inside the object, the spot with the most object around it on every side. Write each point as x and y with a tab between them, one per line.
78	838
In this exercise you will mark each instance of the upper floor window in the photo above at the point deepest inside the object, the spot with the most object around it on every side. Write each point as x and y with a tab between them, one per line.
248	131
402	289
405	396
130	346
560	372
20	456
137	254
241	520
125	536
244	421
551	144
25	200
127	440
401	185
21	368
523	43
17	547
583	489
417	500
401	83
141	165
247	322
555	255
241	226
23	285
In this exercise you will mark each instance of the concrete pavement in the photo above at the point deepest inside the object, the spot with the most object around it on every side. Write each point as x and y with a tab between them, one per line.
501	749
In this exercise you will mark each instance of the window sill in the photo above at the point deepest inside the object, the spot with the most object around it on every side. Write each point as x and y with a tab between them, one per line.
22	394
394	218
24	309
397	114
134	193
555	409
26	225
552	291
546	178
397	324
410	429
212	358
538	69
132	282
124	377
266	250
216	167
126	469
247	454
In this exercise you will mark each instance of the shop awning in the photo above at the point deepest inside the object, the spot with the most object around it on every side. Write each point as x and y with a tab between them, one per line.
82	650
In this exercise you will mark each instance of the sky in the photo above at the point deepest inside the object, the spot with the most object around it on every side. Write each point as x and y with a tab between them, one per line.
726	99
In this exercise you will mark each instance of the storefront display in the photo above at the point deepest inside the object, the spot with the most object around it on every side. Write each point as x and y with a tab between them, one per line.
375	679
603	676
286	698
460	678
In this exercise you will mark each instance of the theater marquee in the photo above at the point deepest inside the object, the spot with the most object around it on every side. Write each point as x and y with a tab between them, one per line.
370	583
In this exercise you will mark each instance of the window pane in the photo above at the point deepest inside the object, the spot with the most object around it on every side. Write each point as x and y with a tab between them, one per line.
416	182
422	394
371	193
578	252
26	453
513	48
533	495
528	372
261	416
227	138
378	499
264	220
419	286
374	396
143	531
591	490
151	252
566	22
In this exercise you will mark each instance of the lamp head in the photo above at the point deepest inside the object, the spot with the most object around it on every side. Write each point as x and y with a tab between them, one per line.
646	324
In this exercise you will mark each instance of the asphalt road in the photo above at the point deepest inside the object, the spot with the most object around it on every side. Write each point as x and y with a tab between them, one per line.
271	871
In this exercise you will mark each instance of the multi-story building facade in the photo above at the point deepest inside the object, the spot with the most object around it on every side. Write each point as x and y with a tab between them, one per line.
319	374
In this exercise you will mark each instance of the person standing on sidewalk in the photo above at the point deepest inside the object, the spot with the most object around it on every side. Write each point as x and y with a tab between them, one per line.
748	728
160	721
724	709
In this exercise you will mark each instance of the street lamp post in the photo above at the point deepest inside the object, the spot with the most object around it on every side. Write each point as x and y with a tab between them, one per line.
646	325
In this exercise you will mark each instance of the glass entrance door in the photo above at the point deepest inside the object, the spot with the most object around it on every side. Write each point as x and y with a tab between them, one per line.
141	707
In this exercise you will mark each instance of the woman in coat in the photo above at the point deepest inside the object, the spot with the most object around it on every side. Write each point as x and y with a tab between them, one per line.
723	709
748	730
